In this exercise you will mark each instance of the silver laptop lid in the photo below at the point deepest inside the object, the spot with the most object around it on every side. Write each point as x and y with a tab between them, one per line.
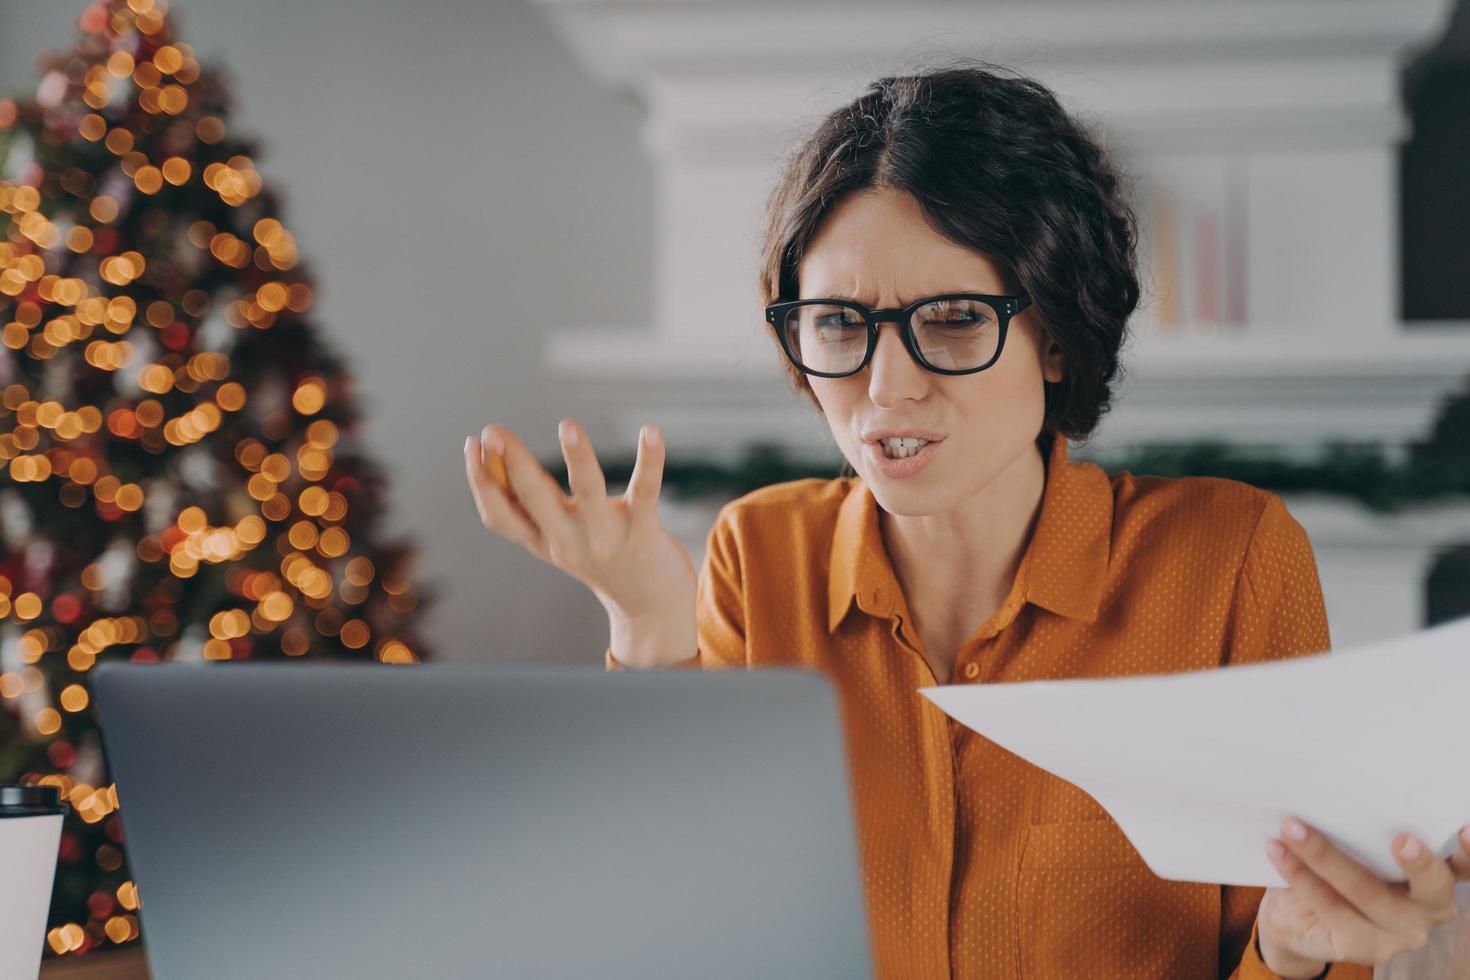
375	821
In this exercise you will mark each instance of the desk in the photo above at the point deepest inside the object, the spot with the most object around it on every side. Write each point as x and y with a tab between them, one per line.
129	964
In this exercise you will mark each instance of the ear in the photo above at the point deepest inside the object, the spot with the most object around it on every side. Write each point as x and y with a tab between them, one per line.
1051	360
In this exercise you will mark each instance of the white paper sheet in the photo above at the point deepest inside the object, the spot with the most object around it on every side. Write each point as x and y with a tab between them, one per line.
1199	768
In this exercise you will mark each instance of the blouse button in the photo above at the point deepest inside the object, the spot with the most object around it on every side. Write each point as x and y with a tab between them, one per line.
972	669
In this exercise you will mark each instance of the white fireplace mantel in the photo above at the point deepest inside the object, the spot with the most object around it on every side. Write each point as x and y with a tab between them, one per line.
1263	134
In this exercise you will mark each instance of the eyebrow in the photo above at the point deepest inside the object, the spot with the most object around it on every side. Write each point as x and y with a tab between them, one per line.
840	294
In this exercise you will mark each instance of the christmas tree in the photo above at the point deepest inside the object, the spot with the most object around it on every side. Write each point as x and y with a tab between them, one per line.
182	479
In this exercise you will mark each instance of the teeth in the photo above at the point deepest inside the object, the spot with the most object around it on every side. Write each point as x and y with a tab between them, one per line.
901	448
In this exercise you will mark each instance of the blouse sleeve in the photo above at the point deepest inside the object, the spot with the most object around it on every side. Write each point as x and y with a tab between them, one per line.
719	604
1278	613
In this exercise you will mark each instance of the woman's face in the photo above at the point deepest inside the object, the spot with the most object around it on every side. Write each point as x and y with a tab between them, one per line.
876	248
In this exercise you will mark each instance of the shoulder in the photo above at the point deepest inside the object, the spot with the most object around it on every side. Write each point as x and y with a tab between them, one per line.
790	524
1199	516
1201	501
1230	547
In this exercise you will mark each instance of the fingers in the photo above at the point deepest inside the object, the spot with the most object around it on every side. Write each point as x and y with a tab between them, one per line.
648	473
584	473
1431	879
498	511
1386	907
527	504
534	488
1460	860
1370	941
1405	911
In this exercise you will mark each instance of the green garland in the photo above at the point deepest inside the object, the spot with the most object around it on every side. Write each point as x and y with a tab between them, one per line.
1361	473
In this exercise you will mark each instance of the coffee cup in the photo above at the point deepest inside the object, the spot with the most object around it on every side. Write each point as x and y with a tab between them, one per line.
30	837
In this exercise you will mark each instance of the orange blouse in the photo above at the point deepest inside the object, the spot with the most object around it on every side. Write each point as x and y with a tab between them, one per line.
975	863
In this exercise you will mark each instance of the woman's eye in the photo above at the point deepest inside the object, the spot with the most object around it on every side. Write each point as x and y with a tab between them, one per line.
952	320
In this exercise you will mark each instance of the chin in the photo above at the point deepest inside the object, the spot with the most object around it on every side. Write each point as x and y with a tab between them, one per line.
905	505
909	498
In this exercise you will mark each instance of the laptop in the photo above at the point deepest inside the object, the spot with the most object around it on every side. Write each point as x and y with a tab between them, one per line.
366	821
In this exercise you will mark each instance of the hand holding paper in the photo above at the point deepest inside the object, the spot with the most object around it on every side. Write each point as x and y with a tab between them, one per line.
1329	758
1336	909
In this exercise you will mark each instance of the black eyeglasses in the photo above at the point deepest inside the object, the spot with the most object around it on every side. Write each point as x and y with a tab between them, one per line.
957	333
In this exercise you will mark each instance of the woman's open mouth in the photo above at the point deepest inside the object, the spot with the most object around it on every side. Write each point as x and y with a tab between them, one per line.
900	458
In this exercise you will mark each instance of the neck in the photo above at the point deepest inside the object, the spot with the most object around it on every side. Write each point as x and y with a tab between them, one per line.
975	548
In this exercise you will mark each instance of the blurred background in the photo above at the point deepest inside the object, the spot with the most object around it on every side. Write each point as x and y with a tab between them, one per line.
521	210
509	204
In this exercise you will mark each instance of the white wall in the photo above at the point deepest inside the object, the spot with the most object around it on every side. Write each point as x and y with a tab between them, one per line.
455	181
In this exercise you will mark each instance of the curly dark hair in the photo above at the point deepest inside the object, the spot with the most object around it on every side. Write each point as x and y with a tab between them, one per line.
998	166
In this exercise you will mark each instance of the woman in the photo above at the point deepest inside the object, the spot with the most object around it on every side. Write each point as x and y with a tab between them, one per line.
948	268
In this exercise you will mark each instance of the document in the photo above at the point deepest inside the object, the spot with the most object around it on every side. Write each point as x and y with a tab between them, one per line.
1200	768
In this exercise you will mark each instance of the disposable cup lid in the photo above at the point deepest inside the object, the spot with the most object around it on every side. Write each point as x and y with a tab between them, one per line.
27	801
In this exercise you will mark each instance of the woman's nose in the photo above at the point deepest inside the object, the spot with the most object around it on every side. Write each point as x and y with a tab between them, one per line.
893	373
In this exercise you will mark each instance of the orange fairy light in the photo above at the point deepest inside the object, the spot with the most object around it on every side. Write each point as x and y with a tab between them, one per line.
355	634
168	59
309	397
119	141
231	396
176	170
277	607
104	209
79	239
210	130
313	501
148	179
92	127
120	64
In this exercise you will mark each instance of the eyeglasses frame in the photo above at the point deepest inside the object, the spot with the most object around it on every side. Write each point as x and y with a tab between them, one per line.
1005	307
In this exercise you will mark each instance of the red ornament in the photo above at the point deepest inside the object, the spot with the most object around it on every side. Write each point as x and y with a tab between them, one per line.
93	19
61	753
123	422
104	241
175	336
100	904
66	607
145	655
170	537
71	848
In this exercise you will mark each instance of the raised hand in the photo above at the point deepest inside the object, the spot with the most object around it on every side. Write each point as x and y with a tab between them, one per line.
617	547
